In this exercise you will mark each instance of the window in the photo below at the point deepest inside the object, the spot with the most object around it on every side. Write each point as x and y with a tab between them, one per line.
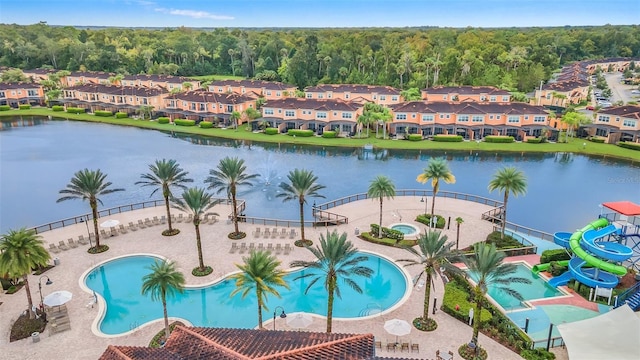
526	117
483	98
427	117
505	98
413	116
539	119
441	116
278	93
32	93
498	117
244	91
347	115
346	95
268	92
394	98
603	118
321	115
617	119
229	108
328	95
220	89
401	116
513	119
171	86
309	95
268	111
629	123
477	118
320	96
444	97
375	97
492	98
193	106
289	113
548	96
463	118
383	98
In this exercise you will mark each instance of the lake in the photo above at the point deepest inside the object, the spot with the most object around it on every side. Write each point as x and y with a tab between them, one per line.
38	157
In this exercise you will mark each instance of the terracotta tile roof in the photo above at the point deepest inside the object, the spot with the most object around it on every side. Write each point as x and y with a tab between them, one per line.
316	104
245	344
466	90
117	90
40	71
19	85
211	97
354	89
627	111
159	78
567	85
259	84
94	74
468	108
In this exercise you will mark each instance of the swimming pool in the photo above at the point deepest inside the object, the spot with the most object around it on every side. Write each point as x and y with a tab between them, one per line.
408	230
538	289
119	282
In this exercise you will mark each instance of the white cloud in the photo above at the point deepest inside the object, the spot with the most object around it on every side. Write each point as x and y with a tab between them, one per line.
145	3
194	14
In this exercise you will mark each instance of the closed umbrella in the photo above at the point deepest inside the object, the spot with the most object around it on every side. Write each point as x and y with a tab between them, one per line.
299	320
397	327
110	223
57	298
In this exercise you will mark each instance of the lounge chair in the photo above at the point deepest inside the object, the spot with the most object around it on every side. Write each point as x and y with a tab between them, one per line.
415	347
270	247
234	248
283	233
82	240
243	247
53	248
92	236
405	346
122	229
72	244
287	249
103	233
180	218
292	234
378	344
62	245
132	226
266	233
189	218
163	219
278	248
256	232
113	231
173	219
252	247
141	224
260	246
147	222
156	221
391	346
274	233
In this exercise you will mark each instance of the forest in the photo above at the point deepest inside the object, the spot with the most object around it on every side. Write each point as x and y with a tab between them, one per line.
516	59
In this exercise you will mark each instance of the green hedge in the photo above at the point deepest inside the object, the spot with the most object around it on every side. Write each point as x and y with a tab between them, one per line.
537	354
75	110
206	124
629	145
507	243
24	106
396	235
534	140
103	113
121	115
329	134
498	139
447	138
554	255
163	120
597	140
5	107
386	241
415	137
184	122
426	219
271	131
454	294
301	133
57	108
556	269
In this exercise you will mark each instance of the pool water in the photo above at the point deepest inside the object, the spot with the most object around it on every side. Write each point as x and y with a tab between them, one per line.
119	283
406	229
538	289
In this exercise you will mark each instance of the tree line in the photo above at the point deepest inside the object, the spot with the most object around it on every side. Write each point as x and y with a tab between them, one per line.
515	59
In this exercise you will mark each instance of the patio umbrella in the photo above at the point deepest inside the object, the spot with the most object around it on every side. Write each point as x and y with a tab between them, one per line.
57	298
299	320
110	223
397	327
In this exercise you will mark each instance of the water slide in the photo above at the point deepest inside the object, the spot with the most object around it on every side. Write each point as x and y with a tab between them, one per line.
594	254
543	267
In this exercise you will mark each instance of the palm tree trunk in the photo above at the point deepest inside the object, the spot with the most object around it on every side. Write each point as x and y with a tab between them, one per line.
457	235
427	295
166	318
166	205
199	244
94	212
380	224
32	315
332	287
302	217
433	203
504	214
259	297
235	211
476	317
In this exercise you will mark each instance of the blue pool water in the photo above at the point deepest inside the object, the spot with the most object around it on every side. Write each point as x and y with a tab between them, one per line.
538	289
406	229
119	283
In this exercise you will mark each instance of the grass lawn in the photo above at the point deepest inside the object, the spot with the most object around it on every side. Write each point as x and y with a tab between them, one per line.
243	133
216	77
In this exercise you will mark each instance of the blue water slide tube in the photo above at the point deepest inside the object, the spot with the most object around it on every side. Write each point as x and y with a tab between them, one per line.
562	279
606	250
591	277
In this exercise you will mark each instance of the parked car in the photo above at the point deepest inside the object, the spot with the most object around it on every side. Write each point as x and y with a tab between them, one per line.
635	91
591	108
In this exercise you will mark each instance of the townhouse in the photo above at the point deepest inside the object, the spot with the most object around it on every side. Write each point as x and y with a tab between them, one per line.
466	94
270	90
313	114
200	105
15	94
166	82
472	121
383	95
621	123
126	99
37	75
86	77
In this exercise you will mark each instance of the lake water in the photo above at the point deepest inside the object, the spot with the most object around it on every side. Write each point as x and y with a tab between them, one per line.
39	157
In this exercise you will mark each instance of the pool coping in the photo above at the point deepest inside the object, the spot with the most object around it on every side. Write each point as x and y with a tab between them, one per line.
102	305
409	236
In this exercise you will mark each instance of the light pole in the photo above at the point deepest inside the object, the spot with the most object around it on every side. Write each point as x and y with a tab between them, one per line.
425	200
282	315
49	282
86	223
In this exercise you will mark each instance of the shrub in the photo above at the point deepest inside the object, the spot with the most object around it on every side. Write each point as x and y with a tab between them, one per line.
75	110
121	115
386	241
5	107
629	145
447	138
498	139
554	255
163	120
57	108
184	122
103	113
396	235
597	140
24	106
506	243
534	140
206	124
271	131
301	133
457	295
537	354
426	219
415	137
329	134
556	269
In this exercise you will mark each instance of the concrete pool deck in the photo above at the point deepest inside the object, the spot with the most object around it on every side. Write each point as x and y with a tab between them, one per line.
81	343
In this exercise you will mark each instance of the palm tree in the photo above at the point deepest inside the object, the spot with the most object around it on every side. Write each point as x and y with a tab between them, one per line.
459	221
302	184
88	185
260	273
509	180
234	118
197	202
435	253
21	251
230	174
164	280
165	174
336	258
437	169
486	263
381	187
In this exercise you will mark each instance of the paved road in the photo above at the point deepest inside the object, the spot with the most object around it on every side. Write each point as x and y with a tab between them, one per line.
619	91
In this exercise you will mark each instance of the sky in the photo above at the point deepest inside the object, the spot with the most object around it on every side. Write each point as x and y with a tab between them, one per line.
320	13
